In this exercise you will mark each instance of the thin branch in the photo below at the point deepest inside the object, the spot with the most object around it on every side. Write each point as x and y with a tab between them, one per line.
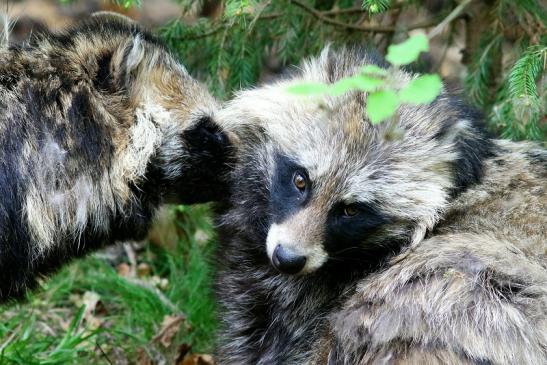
352	10
362	28
270	16
396	14
262	7
103	353
10	338
323	16
209	33
355	10
447	45
453	15
223	26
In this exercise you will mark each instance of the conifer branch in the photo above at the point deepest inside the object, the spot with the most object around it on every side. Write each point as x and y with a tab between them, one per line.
223	26
362	28
209	33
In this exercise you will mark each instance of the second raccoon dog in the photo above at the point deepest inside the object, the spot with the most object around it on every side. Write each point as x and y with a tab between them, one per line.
350	243
99	125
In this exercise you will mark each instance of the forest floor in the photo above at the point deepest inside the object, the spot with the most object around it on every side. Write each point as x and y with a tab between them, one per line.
146	304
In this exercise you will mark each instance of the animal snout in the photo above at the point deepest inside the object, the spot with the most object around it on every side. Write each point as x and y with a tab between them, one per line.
287	261
206	134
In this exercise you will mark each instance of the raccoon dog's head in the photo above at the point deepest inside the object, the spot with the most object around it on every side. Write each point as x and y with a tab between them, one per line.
146	89
320	185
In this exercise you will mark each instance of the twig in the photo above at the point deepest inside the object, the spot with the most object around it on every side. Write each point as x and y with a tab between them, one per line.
352	10
203	35
362	28
356	10
270	16
223	26
453	15
10	338
166	328
263	7
103	353
323	16
394	20
448	42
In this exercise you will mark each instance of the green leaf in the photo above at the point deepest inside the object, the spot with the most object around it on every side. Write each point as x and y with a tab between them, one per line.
342	86
408	51
308	88
367	83
381	105
373	70
358	82
422	90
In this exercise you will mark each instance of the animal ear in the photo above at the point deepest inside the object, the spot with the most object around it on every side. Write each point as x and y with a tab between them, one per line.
111	15
117	69
133	57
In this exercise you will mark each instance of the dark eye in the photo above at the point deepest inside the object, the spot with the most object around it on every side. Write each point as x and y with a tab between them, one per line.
350	211
299	181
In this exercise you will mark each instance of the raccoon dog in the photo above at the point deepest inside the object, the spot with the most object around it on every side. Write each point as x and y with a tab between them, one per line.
99	125
342	244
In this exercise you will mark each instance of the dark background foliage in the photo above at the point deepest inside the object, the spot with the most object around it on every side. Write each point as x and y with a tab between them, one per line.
494	50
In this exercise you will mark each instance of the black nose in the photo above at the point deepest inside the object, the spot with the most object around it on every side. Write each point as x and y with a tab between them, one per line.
287	261
205	136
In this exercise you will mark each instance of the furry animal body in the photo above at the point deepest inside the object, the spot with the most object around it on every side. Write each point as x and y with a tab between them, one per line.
99	125
343	245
